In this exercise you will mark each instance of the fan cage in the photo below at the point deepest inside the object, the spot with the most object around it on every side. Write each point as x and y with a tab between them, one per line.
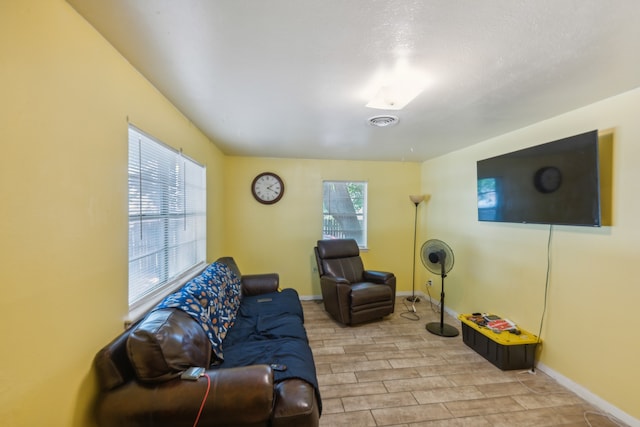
435	245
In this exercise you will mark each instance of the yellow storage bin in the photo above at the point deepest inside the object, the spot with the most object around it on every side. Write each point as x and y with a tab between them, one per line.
504	349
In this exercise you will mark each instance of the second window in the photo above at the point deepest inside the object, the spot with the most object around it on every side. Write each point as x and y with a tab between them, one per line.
344	208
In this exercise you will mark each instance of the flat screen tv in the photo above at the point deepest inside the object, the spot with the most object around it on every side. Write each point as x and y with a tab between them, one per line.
552	183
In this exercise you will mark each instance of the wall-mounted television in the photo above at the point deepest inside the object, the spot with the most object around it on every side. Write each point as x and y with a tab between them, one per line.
553	183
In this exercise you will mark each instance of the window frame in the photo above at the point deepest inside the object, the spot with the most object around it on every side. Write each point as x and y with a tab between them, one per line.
328	211
167	214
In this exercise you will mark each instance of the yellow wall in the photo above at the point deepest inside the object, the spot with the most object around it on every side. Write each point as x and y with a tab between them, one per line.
589	331
65	98
281	237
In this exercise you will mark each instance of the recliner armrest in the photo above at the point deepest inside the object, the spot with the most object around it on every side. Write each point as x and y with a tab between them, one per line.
335	280
377	276
256	284
335	292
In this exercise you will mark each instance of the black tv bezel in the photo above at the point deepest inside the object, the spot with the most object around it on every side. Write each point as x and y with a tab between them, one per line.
587	140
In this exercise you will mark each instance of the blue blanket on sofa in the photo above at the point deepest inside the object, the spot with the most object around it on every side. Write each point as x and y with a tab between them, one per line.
211	299
269	329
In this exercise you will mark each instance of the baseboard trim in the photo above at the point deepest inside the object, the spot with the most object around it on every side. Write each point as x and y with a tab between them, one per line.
581	391
576	388
310	297
590	397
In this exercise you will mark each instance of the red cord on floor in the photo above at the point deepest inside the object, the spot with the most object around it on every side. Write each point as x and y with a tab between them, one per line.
204	399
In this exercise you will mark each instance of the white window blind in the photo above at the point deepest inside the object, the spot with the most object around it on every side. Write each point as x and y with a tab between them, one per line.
167	216
344	209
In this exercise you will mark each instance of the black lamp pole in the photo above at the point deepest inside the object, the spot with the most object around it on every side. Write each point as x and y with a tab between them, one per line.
416	201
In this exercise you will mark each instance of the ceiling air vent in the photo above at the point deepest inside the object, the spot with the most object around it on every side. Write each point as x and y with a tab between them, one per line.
383	121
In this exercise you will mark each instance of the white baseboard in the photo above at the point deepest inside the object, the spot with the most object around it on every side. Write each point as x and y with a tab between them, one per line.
587	395
590	397
310	297
584	393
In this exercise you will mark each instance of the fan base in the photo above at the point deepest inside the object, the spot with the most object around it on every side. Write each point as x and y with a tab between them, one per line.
413	298
442	330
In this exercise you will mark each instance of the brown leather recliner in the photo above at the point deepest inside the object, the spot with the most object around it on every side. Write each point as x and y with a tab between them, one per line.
352	294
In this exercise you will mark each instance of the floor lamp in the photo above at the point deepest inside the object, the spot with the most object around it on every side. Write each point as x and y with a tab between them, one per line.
416	199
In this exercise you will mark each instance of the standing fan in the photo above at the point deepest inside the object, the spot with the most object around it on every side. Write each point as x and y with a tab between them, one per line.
437	257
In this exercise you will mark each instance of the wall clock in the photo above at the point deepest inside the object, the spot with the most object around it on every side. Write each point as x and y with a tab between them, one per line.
267	188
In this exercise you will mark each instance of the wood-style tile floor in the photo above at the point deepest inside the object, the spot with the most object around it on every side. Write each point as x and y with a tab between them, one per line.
395	373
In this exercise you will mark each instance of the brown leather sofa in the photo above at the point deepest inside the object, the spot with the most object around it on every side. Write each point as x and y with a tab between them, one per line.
240	396
350	293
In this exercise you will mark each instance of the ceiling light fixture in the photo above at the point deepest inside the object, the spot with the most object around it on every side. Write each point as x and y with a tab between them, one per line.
383	121
393	90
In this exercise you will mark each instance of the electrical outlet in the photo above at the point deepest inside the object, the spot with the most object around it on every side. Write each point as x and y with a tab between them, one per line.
429	282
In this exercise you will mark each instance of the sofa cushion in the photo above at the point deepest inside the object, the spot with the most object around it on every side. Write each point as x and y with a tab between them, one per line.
165	343
212	299
270	329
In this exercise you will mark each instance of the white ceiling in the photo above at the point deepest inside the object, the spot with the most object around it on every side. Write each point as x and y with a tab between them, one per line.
284	78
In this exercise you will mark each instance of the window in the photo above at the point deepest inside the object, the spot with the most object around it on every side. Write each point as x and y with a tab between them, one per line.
167	217
344	208
487	199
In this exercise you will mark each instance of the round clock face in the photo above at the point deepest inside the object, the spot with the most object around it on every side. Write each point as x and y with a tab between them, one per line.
267	188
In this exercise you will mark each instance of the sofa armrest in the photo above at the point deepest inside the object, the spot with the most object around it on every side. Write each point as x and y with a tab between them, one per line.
377	276
296	405
235	396
256	284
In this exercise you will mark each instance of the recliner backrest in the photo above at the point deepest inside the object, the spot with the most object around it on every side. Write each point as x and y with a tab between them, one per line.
340	258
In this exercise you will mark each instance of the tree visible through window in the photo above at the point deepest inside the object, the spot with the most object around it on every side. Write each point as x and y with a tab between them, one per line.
487	199
344	208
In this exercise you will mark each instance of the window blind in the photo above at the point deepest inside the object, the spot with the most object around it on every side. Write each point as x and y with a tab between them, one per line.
167	215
